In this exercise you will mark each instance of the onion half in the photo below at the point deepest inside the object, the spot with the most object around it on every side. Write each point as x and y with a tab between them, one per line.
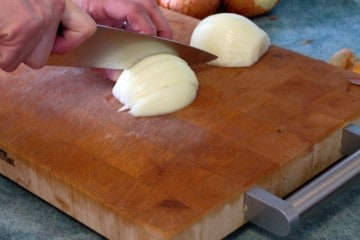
156	85
236	40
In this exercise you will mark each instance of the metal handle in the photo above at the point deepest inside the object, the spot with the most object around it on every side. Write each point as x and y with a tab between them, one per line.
281	216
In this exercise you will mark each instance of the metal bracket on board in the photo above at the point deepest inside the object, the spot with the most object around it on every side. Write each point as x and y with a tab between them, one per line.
350	139
280	216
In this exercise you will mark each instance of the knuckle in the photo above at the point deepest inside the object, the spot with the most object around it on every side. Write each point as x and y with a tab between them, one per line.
10	57
150	31
7	64
34	64
10	38
27	26
59	7
9	68
14	32
88	30
47	16
140	19
137	7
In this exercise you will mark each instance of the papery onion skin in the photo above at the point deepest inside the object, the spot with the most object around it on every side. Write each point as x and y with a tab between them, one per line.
249	8
194	8
234	39
157	85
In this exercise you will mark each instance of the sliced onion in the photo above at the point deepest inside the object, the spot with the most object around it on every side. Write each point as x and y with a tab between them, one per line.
156	85
236	40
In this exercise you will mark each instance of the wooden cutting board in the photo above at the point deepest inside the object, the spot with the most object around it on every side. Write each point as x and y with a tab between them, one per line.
183	175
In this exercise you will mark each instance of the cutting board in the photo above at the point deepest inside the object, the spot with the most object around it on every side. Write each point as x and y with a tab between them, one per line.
183	175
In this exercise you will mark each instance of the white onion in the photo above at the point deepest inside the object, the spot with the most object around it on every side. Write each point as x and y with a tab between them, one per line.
236	40
156	85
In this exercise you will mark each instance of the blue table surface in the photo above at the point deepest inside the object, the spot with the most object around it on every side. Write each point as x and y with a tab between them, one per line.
314	28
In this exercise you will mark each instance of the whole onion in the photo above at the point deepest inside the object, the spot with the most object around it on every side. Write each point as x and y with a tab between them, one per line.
250	8
194	8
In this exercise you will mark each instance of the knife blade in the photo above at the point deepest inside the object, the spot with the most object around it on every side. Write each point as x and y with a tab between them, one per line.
114	48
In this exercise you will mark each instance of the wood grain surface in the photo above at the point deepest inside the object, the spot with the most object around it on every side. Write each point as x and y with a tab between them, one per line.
182	175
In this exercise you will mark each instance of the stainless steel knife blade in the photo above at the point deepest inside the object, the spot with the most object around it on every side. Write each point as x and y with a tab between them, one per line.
120	49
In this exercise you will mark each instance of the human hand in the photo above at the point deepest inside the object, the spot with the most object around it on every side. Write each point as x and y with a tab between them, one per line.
28	29
76	26
143	16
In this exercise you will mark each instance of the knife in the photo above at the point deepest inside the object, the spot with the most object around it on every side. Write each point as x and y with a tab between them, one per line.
114	48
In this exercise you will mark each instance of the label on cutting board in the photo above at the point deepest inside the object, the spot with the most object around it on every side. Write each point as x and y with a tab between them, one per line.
4	156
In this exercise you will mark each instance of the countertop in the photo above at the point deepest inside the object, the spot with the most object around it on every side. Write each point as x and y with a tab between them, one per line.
314	28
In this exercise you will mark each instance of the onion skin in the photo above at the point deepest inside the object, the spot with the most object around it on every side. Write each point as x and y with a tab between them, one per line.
194	8
250	8
346	59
